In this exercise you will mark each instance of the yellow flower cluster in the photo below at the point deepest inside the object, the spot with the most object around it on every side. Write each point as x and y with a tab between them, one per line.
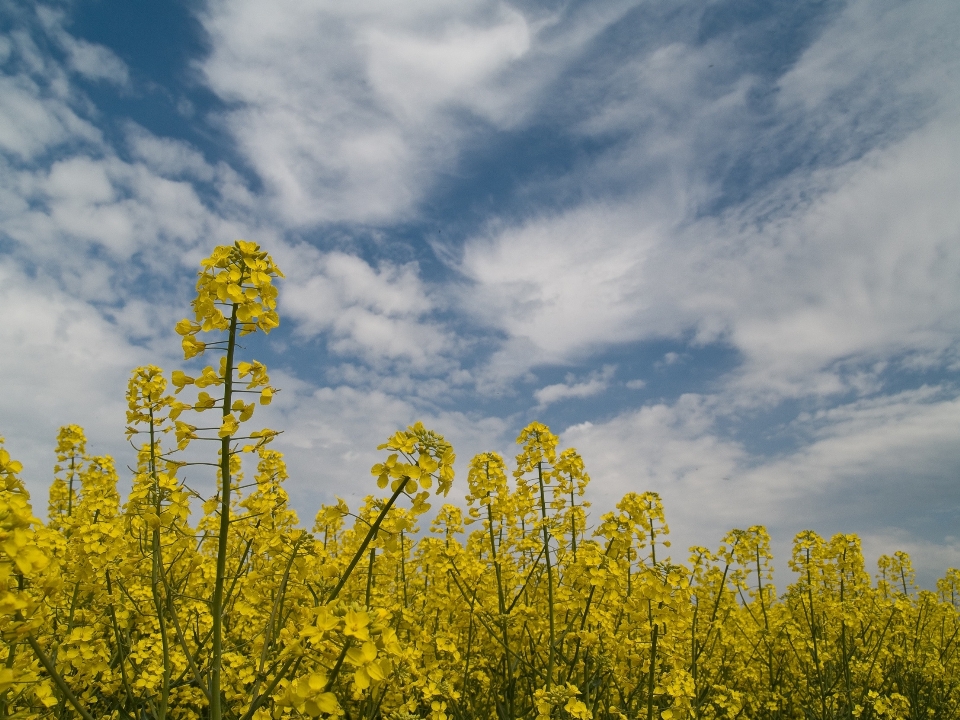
71	446
238	277
20	553
519	607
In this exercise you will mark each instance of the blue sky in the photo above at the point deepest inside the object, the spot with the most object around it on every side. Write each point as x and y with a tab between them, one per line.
714	245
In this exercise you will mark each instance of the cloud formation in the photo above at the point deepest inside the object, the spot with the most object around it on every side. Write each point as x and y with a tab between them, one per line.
622	194
811	271
872	466
380	314
595	384
341	111
353	113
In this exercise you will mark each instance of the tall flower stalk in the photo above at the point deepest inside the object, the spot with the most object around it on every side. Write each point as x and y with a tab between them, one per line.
235	296
538	455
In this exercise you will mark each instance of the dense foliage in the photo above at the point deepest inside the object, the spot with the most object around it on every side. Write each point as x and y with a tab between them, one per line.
137	611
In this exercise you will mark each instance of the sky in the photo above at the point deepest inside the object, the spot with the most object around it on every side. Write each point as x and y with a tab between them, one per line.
714	245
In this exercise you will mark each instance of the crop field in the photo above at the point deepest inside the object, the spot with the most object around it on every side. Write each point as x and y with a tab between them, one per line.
520	602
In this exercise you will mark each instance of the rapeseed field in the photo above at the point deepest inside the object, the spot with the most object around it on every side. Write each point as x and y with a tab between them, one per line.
518	604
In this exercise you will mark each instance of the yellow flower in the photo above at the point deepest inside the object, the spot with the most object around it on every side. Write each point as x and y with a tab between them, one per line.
229	426
326	620
355	624
322	704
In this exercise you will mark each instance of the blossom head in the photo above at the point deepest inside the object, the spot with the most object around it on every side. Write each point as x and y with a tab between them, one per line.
238	277
539	446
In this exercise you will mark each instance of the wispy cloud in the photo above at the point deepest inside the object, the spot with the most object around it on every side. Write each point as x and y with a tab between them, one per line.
332	433
701	185
94	247
595	384
809	271
351	113
378	313
877	463
90	60
341	110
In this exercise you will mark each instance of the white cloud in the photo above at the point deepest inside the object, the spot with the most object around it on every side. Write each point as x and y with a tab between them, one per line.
929	559
880	463
861	272
167	156
878	439
107	203
669	358
331	435
594	385
850	260
319	101
107	240
560	391
671	449
64	191
380	313
349	112
854	264
63	363
416	73
91	60
95	250
881	47
821	280
564	283
33	119
95	61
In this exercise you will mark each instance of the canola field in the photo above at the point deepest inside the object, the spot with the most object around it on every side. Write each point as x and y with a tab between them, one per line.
518	604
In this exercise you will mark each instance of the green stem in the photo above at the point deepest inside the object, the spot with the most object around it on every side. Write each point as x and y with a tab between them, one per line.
339	664
289	668
403	569
651	678
11	656
573	521
57	678
156	571
73	461
466	665
845	659
119	638
217	608
373	557
814	626
182	640
366	541
272	629
546	552
766	621
583	621
502	606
